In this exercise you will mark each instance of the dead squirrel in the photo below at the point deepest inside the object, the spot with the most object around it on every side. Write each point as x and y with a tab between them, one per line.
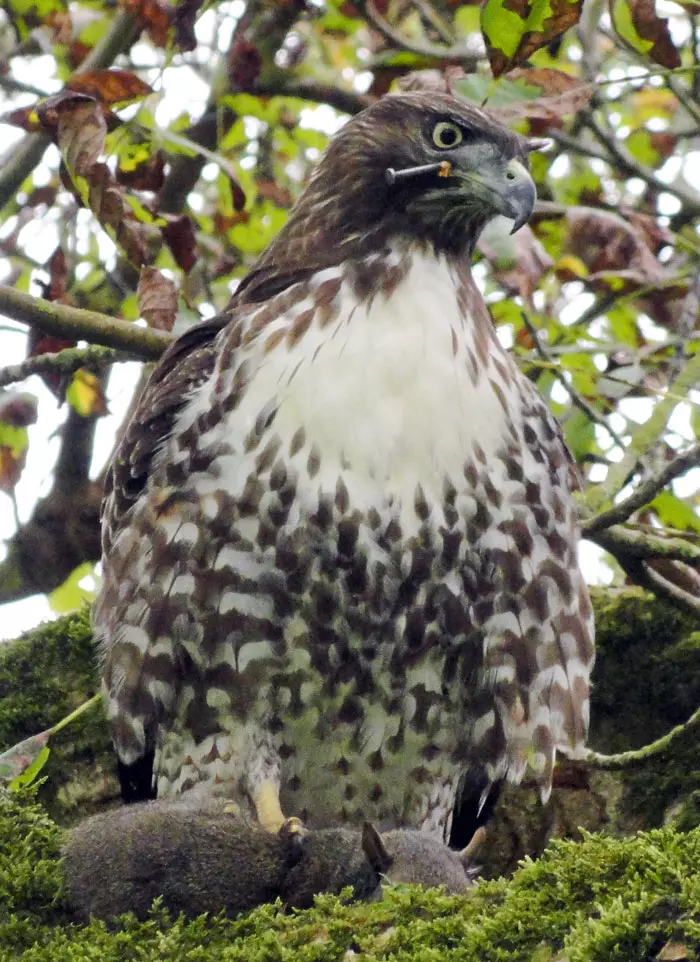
204	860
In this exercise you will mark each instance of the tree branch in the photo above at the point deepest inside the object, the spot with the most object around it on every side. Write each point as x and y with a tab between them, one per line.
456	54
627	164
282	85
648	577
63	362
644	493
77	324
639	546
642	755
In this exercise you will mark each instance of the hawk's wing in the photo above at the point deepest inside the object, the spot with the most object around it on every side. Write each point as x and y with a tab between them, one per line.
183	366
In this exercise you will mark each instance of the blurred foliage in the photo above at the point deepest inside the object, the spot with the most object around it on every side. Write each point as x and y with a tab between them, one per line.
187	131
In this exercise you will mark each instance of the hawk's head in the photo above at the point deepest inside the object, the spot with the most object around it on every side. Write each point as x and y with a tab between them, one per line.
351	206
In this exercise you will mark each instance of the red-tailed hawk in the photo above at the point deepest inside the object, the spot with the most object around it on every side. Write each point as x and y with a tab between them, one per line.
339	542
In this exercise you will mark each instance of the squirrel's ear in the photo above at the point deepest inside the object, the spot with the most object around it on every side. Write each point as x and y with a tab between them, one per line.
374	849
468	854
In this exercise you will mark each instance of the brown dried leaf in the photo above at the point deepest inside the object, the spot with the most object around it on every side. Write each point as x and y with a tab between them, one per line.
674	952
58	274
51	109
18	409
149	175
42	195
109	86
563	95
606	242
81	137
180	237
11	466
273	191
153	16
24	117
183	22
648	33
243	63
40	343
157	296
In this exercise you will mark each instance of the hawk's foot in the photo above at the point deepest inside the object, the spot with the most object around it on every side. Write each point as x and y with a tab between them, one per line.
267	807
292	827
232	808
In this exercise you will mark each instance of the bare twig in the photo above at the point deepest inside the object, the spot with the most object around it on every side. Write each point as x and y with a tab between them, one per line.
576	398
456	54
644	493
640	756
77	324
630	166
283	85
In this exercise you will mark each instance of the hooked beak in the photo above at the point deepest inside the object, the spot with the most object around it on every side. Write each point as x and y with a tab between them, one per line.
508	190
520	195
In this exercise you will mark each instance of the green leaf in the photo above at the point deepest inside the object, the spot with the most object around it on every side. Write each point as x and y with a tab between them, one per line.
675	513
70	596
31	772
514	29
579	431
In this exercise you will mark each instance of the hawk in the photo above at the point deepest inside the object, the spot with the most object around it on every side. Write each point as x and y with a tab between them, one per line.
339	543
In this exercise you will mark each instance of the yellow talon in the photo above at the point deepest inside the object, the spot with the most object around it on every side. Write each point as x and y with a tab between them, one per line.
292	826
232	808
267	807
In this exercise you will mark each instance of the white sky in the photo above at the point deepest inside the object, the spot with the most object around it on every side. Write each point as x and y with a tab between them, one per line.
184	89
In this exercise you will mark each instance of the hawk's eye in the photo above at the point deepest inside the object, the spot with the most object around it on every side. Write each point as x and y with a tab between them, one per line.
446	135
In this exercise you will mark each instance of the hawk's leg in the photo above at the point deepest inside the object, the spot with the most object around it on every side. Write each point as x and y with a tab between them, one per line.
266	799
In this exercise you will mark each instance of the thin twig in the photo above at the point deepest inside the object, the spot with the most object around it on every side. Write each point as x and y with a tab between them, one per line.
282	85
576	398
640	756
63	362
77	324
458	53
644	493
629	165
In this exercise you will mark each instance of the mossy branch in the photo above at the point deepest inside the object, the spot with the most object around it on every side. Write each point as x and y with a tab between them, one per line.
640	756
78	324
630	543
63	362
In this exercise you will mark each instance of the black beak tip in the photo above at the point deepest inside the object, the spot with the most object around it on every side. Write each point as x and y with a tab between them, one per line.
522	203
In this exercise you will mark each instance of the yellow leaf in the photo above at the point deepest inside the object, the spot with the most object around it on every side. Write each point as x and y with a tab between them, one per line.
85	394
570	264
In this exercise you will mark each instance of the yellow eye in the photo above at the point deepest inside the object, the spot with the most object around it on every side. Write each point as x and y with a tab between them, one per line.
446	135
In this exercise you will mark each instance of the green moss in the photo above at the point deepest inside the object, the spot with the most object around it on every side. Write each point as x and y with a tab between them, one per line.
646	681
600	900
44	675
